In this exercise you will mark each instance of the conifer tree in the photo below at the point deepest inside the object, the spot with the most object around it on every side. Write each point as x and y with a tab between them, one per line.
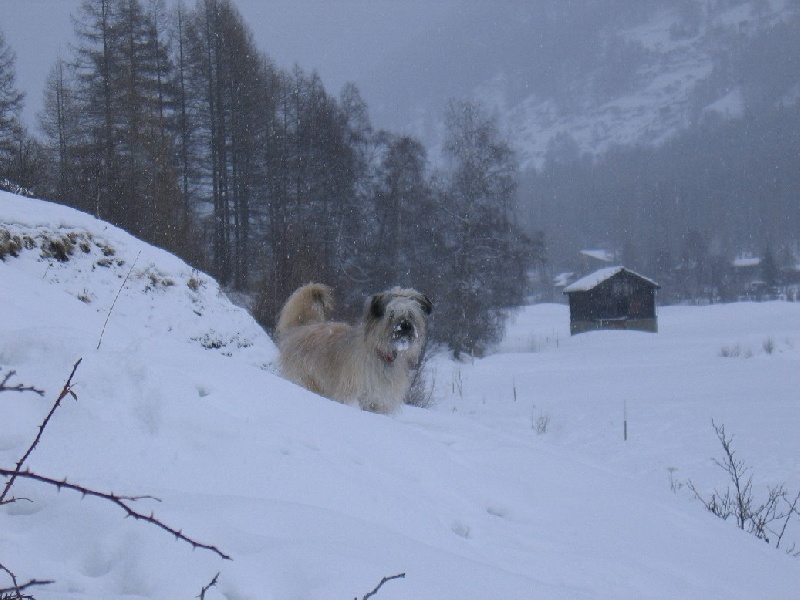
10	105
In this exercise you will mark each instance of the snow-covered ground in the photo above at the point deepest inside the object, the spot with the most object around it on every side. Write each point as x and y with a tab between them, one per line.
517	483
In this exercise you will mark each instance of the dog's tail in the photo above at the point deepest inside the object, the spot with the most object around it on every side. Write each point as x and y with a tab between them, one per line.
311	303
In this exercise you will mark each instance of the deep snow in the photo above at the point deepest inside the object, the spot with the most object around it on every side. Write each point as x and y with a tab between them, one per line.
316	500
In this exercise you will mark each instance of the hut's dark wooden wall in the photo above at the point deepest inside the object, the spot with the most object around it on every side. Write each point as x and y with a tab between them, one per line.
624	301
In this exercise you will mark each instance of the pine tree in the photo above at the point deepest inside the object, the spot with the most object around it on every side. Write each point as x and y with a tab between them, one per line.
228	100
10	106
316	210
408	227
58	121
115	106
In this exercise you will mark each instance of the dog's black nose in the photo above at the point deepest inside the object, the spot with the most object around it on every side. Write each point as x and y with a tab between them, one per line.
404	328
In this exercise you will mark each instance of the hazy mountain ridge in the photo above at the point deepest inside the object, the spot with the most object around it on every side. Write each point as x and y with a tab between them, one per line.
582	79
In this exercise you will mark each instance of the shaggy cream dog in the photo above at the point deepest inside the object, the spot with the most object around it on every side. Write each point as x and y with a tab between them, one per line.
369	364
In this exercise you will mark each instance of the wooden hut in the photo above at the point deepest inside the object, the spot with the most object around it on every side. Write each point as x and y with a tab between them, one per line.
612	298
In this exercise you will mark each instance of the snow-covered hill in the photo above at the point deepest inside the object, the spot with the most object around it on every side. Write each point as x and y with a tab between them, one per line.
516	484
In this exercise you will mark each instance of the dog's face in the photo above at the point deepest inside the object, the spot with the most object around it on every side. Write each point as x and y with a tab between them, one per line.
399	317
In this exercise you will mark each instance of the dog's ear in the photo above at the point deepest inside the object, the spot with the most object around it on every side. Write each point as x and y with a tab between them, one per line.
424	303
377	305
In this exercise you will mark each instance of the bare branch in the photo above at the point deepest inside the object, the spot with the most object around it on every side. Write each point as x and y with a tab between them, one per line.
114	303
757	519
211	584
15	592
19	595
792	510
119	501
19	387
737	471
380	585
67	391
14	589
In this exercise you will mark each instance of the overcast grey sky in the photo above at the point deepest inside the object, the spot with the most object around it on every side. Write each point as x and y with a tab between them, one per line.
343	40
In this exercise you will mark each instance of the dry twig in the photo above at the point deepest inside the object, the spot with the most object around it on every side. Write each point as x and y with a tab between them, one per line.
211	584
380	585
15	592
19	387
67	391
114	303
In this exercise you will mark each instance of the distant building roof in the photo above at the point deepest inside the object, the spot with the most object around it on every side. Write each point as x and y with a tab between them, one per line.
592	280
562	279
746	260
601	255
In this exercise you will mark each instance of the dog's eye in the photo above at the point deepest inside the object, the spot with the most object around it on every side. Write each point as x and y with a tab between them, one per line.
377	305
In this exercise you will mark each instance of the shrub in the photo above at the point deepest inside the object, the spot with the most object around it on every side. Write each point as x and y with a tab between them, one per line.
767	520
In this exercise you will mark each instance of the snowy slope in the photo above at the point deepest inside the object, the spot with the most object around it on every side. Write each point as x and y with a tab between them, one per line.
312	499
664	100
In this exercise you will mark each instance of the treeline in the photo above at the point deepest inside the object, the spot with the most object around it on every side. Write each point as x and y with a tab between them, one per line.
172	125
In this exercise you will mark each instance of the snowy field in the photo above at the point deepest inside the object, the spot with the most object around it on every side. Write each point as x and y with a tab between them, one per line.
517	483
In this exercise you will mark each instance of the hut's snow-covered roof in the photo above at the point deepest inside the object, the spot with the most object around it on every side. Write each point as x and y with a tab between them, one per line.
591	281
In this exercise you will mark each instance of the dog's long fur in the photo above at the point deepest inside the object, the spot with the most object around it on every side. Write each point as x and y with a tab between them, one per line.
369	364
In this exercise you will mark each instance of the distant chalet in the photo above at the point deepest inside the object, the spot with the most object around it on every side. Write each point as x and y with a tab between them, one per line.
612	298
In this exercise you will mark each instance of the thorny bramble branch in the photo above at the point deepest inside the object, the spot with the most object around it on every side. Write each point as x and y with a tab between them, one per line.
119	501
67	391
19	387
380	585
15	592
211	584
